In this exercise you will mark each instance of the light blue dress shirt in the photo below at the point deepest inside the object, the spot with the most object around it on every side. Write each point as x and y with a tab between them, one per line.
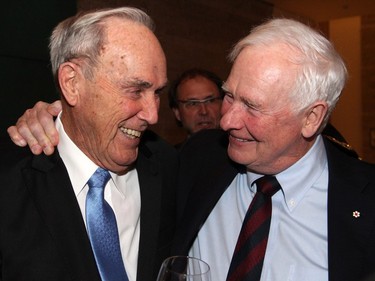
297	244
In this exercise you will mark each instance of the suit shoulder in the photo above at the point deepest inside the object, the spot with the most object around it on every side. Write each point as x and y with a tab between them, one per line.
340	160
12	155
152	143
206	141
204	151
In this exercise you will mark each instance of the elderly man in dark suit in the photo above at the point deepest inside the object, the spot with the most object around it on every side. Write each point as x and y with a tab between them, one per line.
110	70
320	222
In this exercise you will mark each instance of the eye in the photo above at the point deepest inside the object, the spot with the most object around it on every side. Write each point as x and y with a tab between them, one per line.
159	92
133	91
210	100
228	97
191	103
249	105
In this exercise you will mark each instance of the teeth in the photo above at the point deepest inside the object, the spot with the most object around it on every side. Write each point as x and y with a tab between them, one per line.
130	132
240	140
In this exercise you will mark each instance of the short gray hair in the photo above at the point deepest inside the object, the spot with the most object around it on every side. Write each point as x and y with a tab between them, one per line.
323	73
82	36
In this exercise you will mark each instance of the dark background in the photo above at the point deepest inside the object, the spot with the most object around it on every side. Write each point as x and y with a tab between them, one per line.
25	74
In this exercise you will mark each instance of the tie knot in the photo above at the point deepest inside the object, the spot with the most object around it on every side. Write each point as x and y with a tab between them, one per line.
99	179
268	185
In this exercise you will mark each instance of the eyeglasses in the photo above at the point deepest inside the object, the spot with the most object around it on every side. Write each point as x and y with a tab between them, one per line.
195	103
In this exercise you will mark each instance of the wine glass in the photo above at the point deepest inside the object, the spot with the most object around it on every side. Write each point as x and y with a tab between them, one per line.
184	268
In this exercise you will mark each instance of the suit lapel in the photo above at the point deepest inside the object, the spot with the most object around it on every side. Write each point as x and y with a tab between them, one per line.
202	199
51	189
150	187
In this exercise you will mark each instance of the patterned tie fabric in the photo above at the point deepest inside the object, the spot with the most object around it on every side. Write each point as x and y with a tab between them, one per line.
102	229
247	260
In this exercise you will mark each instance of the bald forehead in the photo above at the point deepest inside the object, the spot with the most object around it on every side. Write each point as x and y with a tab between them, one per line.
121	28
132	37
131	50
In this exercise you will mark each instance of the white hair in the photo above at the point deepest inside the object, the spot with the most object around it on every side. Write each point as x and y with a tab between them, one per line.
322	74
82	36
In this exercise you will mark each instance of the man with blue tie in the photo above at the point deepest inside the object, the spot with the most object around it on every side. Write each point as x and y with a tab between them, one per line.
102	206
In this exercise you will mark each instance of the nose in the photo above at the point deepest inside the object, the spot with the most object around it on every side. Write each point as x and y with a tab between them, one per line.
150	109
202	108
231	117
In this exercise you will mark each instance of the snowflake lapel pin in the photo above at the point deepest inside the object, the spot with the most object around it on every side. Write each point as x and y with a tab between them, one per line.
356	214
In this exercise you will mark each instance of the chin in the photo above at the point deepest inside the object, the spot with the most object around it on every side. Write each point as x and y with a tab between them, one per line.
238	156
126	157
234	155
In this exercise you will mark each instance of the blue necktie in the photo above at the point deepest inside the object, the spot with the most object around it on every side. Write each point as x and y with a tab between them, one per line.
102	229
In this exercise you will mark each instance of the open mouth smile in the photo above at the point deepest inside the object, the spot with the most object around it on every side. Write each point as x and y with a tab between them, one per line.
130	132
240	139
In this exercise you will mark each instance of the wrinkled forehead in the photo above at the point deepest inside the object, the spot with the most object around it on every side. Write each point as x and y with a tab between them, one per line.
262	76
265	62
133	46
129	34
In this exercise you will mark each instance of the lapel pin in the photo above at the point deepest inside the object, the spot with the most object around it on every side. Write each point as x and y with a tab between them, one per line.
356	214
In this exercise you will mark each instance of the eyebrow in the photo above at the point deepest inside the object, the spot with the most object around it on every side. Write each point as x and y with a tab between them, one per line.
138	83
142	84
207	96
224	88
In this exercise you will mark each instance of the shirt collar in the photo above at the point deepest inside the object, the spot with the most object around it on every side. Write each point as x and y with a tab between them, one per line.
298	178
80	167
301	176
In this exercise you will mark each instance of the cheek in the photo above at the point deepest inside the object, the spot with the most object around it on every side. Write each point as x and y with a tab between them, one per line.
215	110
187	115
261	129
277	133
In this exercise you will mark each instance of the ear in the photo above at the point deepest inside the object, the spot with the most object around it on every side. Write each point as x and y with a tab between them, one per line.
70	77
176	113
313	119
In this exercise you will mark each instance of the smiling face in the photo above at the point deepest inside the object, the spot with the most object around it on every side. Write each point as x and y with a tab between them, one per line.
200	115
265	133
107	114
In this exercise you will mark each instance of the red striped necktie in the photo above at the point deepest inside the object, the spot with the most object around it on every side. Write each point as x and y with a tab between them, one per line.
248	256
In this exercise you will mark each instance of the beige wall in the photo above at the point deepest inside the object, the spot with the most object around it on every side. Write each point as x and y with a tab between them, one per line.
347	118
354	38
368	86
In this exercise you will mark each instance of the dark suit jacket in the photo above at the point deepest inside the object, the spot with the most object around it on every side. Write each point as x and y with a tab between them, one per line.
206	171
42	232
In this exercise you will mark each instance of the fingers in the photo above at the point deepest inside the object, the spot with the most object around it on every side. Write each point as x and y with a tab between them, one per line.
36	128
23	137
16	137
47	122
54	108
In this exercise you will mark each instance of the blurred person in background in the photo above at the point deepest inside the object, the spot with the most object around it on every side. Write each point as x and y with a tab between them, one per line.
195	98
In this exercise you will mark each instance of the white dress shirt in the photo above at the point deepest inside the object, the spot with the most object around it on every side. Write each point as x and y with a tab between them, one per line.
297	243
121	192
